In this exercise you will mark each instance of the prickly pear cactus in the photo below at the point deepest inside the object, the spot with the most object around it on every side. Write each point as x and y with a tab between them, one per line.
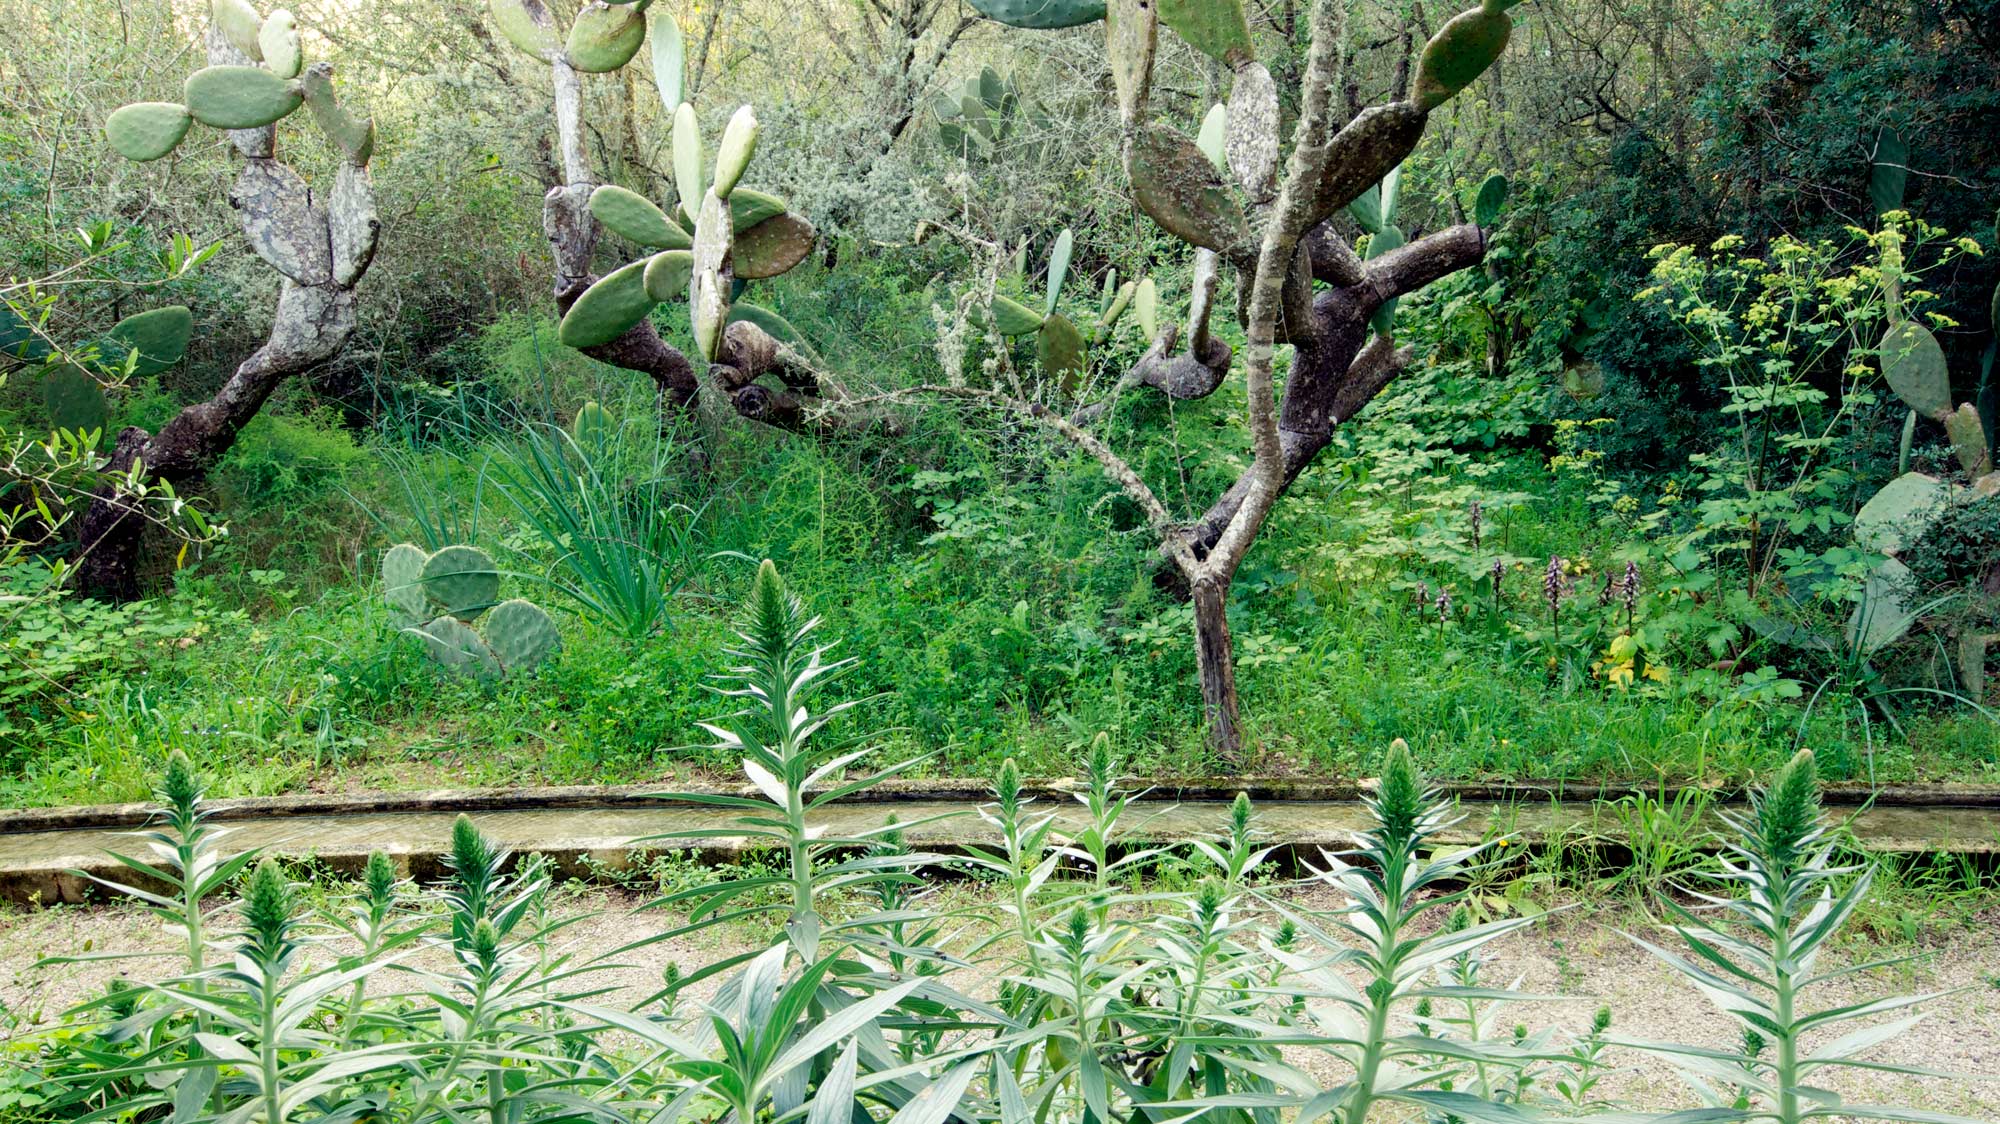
592	427
518	635
75	402
1913	362
739	234
159	336
1041	15
233	96
978	115
1460	52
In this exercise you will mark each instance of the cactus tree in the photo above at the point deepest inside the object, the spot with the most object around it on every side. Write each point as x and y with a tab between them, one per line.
320	244
1272	217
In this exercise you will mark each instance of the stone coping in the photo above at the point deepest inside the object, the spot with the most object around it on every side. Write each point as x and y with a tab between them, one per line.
970	791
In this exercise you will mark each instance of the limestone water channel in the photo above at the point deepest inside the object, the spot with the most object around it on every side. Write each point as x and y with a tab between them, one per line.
587	830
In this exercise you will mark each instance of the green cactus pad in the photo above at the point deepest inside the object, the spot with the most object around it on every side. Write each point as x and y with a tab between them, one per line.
604	39
1109	318
1182	190
608	309
634	217
462	581
159	335
458	649
1889	171
18	340
1146	308
772	247
732	155
1012	318
667	274
1882	617
1213	139
1968	440
403	583
1460	52
1390	237
592	425
669	61
1040	15
74	400
1059	347
687	160
747	208
354	135
1913	363
147	130
520	635
1491	201
1900	512
520	29
239	24
240	97
1059	257
773	325
1216	28
279	40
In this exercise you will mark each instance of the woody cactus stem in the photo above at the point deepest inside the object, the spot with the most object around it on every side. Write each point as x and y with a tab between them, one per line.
321	246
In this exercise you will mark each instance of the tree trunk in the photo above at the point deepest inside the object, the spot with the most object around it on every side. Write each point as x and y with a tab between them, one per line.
322	245
1216	665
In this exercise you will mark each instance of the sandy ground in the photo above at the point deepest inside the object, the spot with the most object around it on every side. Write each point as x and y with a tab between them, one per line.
1577	955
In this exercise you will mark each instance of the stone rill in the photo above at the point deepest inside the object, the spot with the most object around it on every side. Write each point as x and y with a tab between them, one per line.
586	830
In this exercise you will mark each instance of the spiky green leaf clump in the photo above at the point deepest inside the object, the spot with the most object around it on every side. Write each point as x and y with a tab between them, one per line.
269	911
240	97
1400	799
1788	813
147	130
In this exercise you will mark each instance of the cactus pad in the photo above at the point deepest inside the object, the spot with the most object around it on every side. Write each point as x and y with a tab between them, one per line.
608	309
240	97
1900	512
1213	138
605	38
592	425
687	159
279	40
1913	363
354	135
402	583
1059	347
1460	52
147	130
1012	318
1146	308
1059	257
461	580
1131	38
772	324
667	274
520	634
1216	28
732	155
239	24
1491	201
458	649
669	60
747	208
74	400
1968	440
1041	15
159	335
1120	301
1175	184
520	29
1882	617
772	247
633	217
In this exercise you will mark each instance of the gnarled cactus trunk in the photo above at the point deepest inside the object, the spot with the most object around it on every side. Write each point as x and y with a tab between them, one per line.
322	247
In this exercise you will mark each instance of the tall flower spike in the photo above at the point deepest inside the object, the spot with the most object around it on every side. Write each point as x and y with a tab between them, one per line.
1399	801
1604	591
1475	515
1554	583
1444	605
1628	587
1788	813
